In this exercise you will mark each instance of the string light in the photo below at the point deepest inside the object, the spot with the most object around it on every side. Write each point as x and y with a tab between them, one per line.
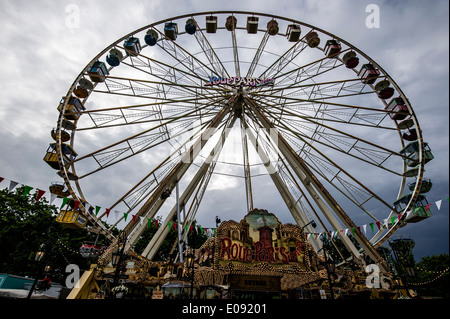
429	281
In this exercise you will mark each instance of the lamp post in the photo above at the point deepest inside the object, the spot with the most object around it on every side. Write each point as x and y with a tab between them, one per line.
117	257
190	265
217	221
312	223
38	257
331	267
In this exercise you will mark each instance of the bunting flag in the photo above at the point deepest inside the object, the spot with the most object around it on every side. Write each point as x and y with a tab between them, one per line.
64	202
40	194
12	185
27	190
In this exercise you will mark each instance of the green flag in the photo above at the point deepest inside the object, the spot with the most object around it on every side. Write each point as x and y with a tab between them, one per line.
64	203
26	190
393	220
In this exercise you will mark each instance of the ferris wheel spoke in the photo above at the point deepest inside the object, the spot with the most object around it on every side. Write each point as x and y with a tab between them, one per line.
114	157
166	109
326	111
183	81
145	187
344	143
185	58
284	60
210	53
237	67
258	55
324	90
162	88
304	138
114	153
103	121
336	176
310	70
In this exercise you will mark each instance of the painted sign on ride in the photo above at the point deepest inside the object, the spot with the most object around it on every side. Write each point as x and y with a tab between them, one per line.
240	81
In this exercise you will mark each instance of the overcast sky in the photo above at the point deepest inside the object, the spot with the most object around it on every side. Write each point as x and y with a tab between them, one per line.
43	49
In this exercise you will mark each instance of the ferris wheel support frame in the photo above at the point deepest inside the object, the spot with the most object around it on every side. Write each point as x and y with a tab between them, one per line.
288	199
320	195
152	205
162	232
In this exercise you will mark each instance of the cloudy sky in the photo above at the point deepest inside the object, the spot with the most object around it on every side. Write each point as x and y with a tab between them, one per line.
46	44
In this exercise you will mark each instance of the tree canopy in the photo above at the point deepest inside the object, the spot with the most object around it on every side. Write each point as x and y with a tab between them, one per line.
26	225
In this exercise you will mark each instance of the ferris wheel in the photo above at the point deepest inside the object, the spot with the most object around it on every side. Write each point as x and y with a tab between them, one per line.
153	111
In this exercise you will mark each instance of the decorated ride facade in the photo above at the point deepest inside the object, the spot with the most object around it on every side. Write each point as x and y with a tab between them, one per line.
257	257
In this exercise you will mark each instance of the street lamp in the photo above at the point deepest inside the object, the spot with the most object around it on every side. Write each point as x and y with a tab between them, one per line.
217	221
312	223
190	265
40	254
38	257
117	256
331	267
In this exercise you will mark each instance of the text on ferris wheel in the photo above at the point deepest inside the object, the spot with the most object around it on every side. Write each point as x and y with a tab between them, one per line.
240	81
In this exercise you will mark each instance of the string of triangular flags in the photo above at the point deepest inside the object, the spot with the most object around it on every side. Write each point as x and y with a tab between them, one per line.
208	231
107	211
378	223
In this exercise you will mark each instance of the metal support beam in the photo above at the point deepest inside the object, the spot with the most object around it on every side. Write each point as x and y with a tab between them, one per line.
155	243
320	195
289	200
152	205
180	225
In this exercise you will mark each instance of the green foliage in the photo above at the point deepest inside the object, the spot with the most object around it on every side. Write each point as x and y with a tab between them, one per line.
25	225
428	273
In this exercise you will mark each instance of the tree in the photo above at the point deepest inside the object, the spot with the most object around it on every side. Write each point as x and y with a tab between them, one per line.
430	276
25	225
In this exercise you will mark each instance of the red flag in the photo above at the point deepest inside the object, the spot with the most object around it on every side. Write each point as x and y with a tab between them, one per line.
107	212
40	194
156	223
134	218
378	224
77	203
427	208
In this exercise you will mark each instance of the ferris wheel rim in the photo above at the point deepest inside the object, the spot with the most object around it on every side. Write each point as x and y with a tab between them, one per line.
398	89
